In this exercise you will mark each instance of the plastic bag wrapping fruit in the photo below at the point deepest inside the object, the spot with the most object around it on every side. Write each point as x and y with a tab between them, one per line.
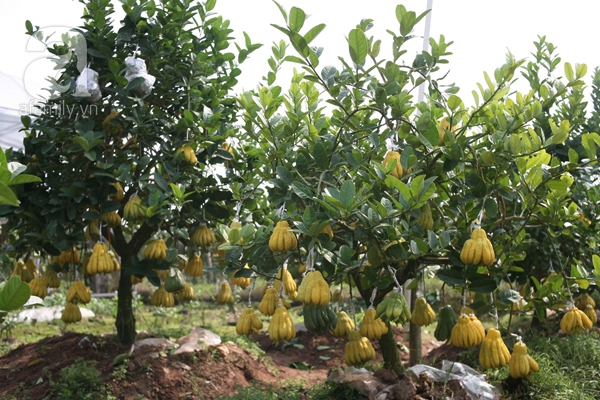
135	68
473	382
87	86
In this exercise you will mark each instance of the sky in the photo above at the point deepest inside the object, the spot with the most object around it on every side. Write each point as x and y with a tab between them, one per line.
482	31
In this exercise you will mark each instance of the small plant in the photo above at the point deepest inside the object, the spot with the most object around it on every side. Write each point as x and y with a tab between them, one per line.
81	380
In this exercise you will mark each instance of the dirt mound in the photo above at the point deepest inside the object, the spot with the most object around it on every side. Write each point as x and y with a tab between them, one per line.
28	370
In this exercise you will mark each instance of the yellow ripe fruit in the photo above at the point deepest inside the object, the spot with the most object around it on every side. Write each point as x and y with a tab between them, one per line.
22	272
289	285
71	314
422	314
336	296
314	290
195	266
443	128
39	287
156	250
398	171
225	295
591	313
119	195
134	211
100	261
162	274
575	320
493	352
328	231
31	267
112	218
358	350
248	323
91	232
583	300
80	292
185	294
241	281
521	364
281	326
478	249
344	325
282	239
135	280
269	302
189	155
301	268
203	236
426	218
371	327
51	277
463	333
162	298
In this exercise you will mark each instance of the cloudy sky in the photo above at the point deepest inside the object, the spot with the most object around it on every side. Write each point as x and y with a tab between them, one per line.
482	31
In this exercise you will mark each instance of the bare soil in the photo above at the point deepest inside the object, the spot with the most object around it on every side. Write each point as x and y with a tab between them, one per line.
26	371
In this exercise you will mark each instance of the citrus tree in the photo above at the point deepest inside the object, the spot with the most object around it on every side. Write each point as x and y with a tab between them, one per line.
133	160
380	187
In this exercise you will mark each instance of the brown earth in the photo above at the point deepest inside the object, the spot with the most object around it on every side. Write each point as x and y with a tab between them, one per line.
26	371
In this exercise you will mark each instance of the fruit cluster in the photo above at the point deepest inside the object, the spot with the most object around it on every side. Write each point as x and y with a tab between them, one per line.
248	322
394	309
422	314
344	325
314	290
371	327
493	352
282	239
281	326
467	332
319	320
358	350
478	249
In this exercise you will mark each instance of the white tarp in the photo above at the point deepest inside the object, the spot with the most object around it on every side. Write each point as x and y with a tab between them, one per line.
14	102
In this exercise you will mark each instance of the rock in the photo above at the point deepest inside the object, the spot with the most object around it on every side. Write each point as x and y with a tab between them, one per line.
197	340
43	314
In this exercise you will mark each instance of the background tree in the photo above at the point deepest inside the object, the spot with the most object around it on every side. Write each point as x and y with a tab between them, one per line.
508	164
126	139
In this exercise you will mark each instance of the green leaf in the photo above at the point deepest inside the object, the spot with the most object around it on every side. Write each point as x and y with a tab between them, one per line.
508	297
569	73
320	155
176	191
7	196
483	285
302	190
313	33
24	178
14	294
285	175
596	261
210	4
347	193
3	163
451	276
358	44
296	20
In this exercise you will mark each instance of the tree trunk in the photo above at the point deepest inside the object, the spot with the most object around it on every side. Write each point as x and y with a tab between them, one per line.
389	351
125	321
414	336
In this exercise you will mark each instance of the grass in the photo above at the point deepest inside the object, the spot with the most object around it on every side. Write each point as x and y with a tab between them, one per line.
568	367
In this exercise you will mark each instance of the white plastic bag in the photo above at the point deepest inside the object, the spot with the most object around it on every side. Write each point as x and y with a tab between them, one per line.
136	68
87	87
473	382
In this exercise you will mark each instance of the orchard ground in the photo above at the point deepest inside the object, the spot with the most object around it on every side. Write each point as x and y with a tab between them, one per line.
51	360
